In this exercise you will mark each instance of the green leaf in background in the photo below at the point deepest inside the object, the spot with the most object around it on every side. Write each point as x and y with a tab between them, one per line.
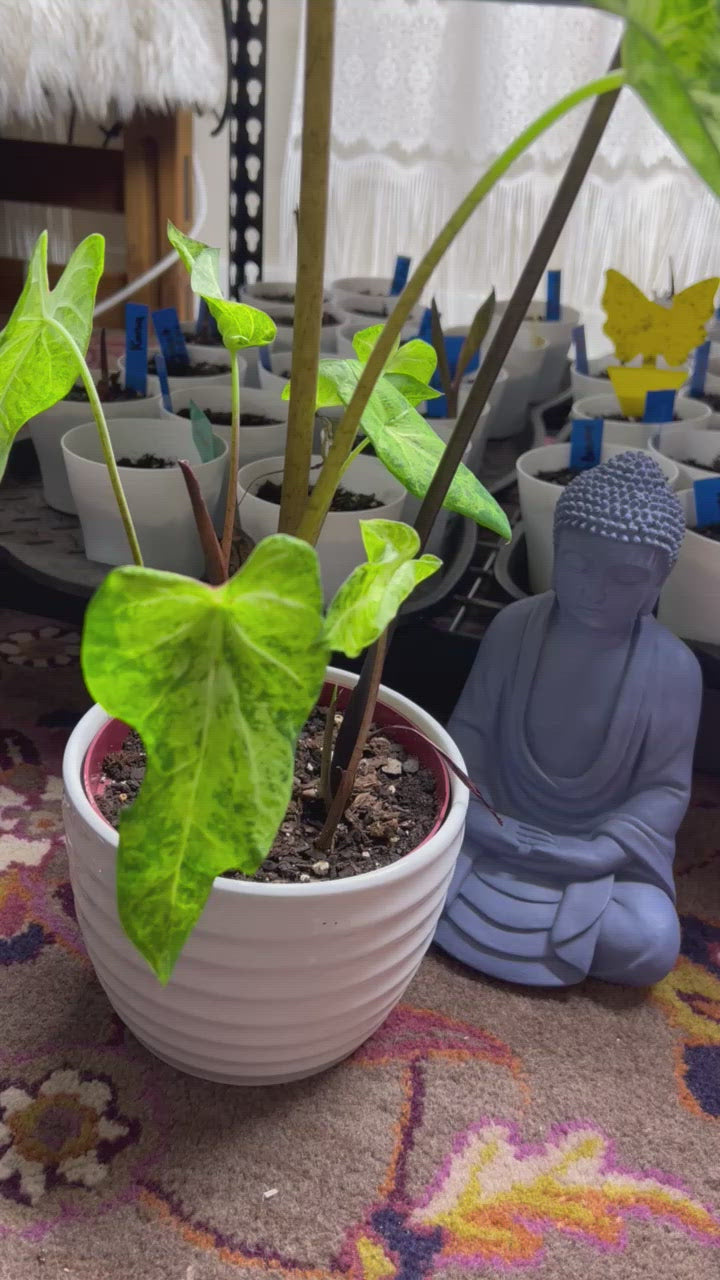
38	360
414	359
671	56
409	448
476	335
414	392
364	341
202	433
218	682
369	599
240	326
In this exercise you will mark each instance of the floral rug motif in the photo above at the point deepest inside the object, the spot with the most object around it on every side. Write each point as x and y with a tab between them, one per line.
483	1131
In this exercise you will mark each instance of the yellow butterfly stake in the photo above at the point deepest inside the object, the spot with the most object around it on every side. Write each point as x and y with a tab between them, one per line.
638	327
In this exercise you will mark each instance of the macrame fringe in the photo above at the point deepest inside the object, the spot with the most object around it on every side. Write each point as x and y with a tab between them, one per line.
634	222
109	57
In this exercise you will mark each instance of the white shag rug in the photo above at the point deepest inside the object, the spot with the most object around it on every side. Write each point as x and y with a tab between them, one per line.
109	57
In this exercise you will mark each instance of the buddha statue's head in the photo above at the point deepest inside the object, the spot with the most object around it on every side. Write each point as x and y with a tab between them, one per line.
618	530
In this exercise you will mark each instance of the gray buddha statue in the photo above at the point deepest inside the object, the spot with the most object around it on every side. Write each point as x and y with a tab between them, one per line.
578	724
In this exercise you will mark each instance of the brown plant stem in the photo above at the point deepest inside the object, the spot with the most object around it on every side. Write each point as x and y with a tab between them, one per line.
233	462
214	560
358	736
312	219
587	144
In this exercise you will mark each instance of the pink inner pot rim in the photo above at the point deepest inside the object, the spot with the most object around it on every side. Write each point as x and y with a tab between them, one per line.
401	730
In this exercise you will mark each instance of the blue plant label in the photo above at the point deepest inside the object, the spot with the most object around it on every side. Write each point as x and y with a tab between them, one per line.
699	370
399	280
659	406
586	443
202	433
707	501
454	343
264	358
170	335
136	346
161	371
552	309
581	359
206	329
425	330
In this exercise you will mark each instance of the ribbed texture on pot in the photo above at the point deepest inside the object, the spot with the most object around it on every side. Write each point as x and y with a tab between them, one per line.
276	982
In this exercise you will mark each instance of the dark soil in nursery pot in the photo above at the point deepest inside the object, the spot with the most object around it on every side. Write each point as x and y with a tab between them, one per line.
712	398
108	391
561	477
711	531
704	466
147	462
620	417
223	418
392	810
344	500
201	369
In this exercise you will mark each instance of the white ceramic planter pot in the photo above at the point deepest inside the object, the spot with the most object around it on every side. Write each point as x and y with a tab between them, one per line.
339	546
634	435
48	429
539	498
557	334
276	981
255	442
158	500
523	366
444	427
690	600
681	443
205	355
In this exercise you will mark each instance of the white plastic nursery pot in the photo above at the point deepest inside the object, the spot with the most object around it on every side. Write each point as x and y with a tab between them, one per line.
328	332
634	435
359	294
681	443
557	333
276	982
690	600
276	378
255	442
591	383
712	387
199	355
158	500
523	365
271	296
340	545
495	427
47	430
538	499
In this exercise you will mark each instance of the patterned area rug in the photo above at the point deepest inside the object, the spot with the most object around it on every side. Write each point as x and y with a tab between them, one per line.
484	1131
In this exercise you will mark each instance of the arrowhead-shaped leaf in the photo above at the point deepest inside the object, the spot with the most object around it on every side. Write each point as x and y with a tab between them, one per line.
409	448
240	326
369	599
218	682
39	345
671	54
475	336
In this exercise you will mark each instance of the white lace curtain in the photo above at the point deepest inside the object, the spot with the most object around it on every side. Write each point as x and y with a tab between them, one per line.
429	92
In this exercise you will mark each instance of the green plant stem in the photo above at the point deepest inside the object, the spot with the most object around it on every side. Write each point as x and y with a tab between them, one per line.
319	503
312	219
233	463
354	454
105	443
